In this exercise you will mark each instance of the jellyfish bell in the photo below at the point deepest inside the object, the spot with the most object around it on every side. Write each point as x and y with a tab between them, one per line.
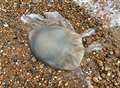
53	41
55	47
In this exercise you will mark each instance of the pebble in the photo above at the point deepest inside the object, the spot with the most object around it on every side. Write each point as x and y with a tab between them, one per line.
111	52
99	78
60	83
118	62
88	59
103	75
66	84
109	73
33	59
100	63
107	68
95	79
1	51
16	5
5	25
90	86
94	52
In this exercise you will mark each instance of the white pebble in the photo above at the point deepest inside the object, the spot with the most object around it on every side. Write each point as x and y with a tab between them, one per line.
5	25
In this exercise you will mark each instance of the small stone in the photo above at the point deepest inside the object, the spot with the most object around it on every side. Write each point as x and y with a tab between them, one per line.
99	78
100	63
55	77
1	51
118	62
40	83
5	25
113	76
16	5
88	59
95	79
107	68
103	75
60	83
90	86
94	52
111	52
109	73
117	52
34	59
3	9
59	71
66	84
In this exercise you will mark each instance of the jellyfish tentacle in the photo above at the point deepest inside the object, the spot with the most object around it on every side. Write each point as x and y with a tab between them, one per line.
95	46
88	32
33	21
31	18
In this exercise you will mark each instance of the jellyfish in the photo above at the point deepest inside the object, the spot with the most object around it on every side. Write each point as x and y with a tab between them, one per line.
53	41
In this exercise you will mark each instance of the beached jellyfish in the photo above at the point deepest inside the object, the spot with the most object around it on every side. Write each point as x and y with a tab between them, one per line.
53	40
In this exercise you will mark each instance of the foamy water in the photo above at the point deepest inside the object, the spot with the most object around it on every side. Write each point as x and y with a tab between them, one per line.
107	10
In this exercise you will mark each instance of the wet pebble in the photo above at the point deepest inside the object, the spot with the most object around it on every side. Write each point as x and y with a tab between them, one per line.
5	25
109	73
103	75
95	79
33	59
